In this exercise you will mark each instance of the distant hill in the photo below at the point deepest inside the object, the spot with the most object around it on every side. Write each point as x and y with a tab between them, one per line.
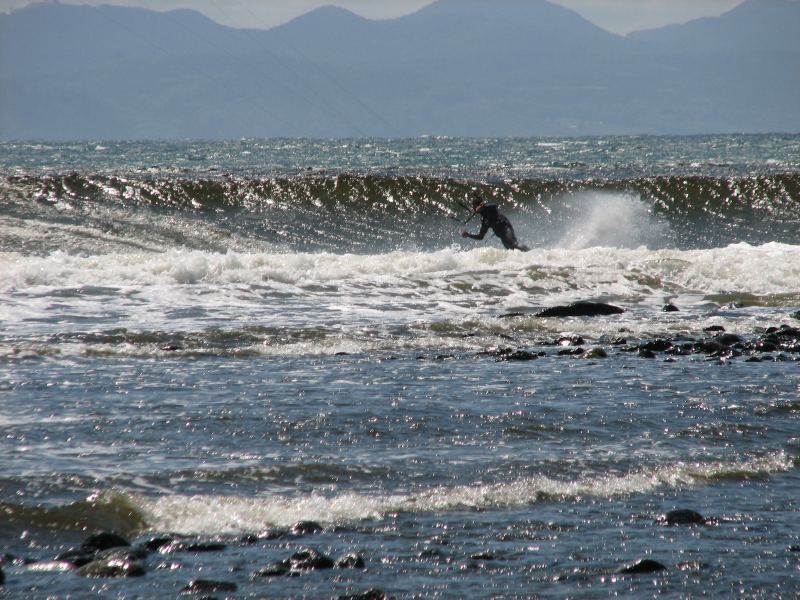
456	67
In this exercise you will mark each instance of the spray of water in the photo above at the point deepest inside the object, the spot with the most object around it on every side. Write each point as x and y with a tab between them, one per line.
605	219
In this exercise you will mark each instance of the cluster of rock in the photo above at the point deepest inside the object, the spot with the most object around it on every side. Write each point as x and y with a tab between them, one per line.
109	555
780	343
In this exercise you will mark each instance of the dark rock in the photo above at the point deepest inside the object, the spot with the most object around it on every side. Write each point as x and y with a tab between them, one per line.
2	577
645	353
371	594
796	315
275	570
570	352
350	561
595	353
156	543
309	559
191	546
644	565
728	339
75	557
574	340
683	516
656	345
271	534
581	309
306	528
714	329
511	315
104	541
670	308
202	586
520	355
487	555
113	565
794	548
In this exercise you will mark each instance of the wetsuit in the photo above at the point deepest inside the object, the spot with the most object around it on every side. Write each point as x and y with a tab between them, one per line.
492	218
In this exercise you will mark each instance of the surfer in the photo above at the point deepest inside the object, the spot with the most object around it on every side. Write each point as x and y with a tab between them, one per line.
493	219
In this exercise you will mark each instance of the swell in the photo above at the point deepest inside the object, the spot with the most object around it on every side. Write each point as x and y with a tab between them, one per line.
352	212
130	512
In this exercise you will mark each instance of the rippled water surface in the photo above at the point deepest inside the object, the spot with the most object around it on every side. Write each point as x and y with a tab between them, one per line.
209	342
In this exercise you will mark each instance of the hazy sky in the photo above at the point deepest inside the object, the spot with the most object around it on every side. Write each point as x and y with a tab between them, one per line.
619	16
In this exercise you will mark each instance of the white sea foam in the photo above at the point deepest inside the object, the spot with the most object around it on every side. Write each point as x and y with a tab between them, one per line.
211	515
194	290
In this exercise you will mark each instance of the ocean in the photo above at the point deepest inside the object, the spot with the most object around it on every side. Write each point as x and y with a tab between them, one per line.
276	369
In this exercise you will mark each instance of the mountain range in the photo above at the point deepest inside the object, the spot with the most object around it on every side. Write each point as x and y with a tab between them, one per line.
457	67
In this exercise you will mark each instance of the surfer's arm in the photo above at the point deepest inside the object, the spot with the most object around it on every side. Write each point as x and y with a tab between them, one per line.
477	236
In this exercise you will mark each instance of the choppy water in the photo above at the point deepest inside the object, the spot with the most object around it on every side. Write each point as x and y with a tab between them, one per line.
219	340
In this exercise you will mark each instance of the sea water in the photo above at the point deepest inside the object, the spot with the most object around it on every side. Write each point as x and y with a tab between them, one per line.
216	341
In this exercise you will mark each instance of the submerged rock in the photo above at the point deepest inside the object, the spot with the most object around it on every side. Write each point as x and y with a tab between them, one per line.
517	355
670	308
371	594
202	586
595	353
104	541
191	546
581	309
114	563
644	565
350	561
309	559
306	528
683	516
89	550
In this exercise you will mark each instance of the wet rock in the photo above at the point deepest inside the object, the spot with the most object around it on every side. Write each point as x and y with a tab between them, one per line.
306	528
191	546
156	543
520	355
644	565
309	559
511	315
275	570
204	586
113	564
714	329
656	345
2	577
571	352
371	594
350	561
271	534
728	339
574	340
595	353
670	308
794	548
581	309
487	555
645	353
104	541
683	516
